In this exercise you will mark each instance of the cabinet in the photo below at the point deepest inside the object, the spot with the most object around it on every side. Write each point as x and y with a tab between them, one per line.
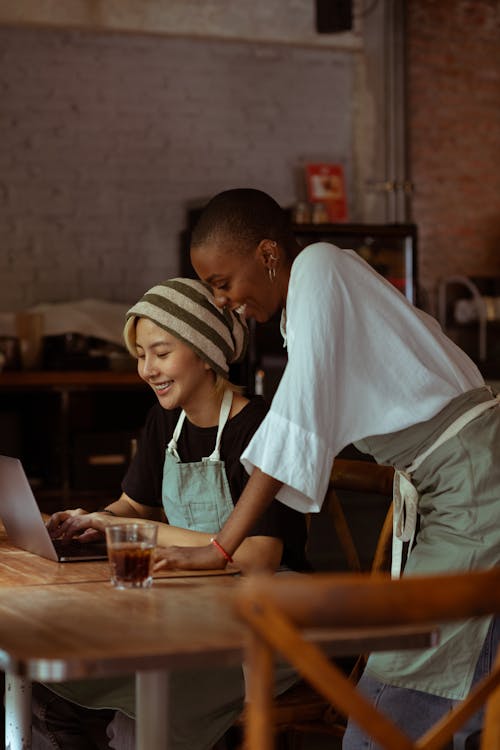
391	249
73	431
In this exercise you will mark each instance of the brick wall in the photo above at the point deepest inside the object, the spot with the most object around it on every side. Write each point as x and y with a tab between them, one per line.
454	132
106	139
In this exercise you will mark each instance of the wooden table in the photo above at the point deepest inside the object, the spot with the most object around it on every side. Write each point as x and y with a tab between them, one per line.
18	567
46	594
52	631
21	568
58	632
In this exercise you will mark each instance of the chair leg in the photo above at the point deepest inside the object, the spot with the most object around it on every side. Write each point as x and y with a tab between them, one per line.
289	740
232	740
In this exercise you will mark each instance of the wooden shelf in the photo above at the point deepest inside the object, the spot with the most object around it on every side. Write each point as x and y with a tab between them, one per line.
19	379
54	420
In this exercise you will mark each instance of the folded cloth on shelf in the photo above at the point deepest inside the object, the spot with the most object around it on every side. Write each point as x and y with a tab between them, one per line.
88	317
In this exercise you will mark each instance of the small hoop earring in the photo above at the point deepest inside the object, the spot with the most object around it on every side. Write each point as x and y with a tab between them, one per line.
272	274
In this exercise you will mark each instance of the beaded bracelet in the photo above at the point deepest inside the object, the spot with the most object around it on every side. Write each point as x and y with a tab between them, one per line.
221	549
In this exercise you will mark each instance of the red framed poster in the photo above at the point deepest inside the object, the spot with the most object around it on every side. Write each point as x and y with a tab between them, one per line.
325	184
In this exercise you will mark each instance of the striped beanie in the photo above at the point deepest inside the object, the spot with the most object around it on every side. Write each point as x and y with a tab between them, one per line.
186	309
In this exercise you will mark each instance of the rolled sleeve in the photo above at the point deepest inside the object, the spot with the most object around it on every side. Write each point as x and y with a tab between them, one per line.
294	456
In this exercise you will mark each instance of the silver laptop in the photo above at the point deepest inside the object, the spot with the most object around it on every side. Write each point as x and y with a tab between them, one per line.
25	526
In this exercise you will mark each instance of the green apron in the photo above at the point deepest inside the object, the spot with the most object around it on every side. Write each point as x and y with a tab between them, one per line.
204	703
195	496
459	510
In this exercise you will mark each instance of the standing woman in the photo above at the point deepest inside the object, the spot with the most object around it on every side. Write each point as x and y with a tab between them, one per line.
364	367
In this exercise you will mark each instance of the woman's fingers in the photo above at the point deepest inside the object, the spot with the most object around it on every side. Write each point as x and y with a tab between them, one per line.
58	518
76	526
188	558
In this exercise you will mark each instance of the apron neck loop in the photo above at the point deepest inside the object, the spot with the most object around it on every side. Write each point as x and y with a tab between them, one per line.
172	446
225	409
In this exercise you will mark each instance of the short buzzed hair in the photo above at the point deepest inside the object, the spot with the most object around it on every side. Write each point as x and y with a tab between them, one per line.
245	215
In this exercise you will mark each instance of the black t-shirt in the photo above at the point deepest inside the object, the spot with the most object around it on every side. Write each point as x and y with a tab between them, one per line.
143	479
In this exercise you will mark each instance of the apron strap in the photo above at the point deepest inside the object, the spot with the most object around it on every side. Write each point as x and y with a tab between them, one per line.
172	446
225	409
405	500
454	429
405	496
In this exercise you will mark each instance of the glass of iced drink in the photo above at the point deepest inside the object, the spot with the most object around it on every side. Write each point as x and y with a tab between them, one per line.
131	553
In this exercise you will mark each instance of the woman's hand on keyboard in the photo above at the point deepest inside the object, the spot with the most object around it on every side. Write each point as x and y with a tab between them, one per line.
80	524
56	520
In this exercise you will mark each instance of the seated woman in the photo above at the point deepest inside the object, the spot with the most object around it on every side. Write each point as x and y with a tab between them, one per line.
186	476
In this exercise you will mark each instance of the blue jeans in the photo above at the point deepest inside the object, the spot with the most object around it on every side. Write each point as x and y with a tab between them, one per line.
415	712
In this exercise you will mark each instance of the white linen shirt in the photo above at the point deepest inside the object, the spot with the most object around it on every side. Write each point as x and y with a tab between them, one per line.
362	361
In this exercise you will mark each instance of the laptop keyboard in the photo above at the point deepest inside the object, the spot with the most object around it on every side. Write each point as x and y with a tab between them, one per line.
72	548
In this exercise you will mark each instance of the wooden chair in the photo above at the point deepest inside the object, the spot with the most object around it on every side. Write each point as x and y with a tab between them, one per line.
277	611
362	477
301	710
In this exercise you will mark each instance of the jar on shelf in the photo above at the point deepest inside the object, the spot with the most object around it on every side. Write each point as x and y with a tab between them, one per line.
302	213
319	214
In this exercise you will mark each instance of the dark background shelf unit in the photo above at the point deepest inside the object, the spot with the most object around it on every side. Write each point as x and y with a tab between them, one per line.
389	248
73	431
467	335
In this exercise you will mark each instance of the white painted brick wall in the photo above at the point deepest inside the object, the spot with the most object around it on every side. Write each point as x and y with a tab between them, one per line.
105	140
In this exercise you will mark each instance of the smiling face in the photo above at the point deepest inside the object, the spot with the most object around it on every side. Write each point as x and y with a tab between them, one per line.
177	375
240	281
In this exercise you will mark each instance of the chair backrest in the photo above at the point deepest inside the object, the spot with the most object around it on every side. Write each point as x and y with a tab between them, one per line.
278	609
364	477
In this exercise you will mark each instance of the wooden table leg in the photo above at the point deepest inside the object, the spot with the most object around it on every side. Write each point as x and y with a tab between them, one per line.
152	709
17	713
259	728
